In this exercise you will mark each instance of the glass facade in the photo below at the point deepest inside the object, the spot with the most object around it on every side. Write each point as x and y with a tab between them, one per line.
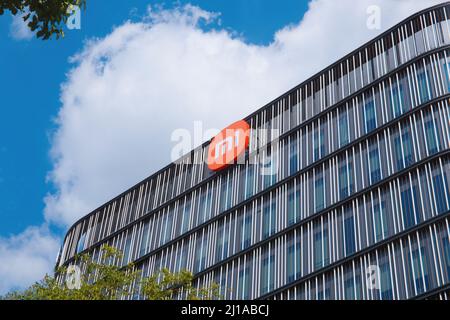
346	176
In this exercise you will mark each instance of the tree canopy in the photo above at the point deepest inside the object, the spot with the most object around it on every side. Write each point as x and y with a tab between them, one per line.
107	279
45	17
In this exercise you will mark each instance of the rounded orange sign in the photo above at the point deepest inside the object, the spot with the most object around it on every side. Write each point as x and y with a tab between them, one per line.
228	145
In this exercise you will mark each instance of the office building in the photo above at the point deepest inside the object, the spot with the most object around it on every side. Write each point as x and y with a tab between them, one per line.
341	189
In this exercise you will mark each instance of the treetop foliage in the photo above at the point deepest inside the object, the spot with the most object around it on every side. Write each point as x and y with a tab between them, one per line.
107	279
46	17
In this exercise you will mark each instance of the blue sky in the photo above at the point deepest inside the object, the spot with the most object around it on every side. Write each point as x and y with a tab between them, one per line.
32	72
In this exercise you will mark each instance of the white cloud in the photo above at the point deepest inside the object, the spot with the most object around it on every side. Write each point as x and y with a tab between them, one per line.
19	29
128	91
26	258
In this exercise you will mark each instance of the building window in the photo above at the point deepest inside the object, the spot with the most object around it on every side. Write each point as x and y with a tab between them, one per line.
446	254
223	284
425	266
249	181
316	145
385	279
80	244
219	242
293	157
417	271
358	285
375	171
208	204
320	193
298	205
396	99
408	209
291	208
244	283
144	240
225	194
431	137
184	255
247	229
269	170
318	261
200	256
351	188
186	216
298	257
168	226
423	87
222	243
126	250
378	219
290	263
269	215
349	227
369	113
204	206
267	274
349	288
343	181
407	148
439	191
326	255
319	142
343	129
447	74
398	152
417	202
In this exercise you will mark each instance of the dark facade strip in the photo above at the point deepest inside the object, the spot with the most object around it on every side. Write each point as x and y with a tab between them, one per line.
306	122
287	180
432	293
418	227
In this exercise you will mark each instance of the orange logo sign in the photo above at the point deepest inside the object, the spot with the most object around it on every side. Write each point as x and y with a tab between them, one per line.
228	145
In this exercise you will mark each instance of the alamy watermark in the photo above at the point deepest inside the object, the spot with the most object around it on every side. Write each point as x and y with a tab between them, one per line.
74	19
73	277
373	21
372	277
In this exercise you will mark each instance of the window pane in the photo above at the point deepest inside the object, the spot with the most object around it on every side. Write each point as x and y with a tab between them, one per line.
369	113
317	249
439	191
408	210
407	147
80	245
375	172
319	187
247	229
349	235
447	74
293	157
431	137
343	181
343	129
397	94
423	87
144	242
